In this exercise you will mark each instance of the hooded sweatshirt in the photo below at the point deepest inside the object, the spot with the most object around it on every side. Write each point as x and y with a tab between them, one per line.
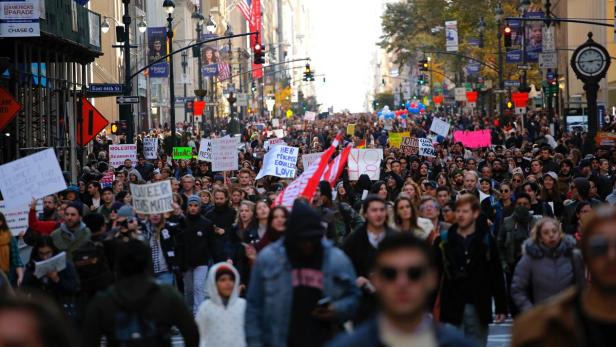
221	325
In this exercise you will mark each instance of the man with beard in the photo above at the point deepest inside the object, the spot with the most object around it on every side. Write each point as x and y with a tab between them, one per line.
107	202
72	233
564	176
223	217
547	161
458	181
580	317
467	258
50	209
301	287
499	173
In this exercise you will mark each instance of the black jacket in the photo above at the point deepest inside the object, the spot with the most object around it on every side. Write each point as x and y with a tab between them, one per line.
161	304
146	170
481	280
222	218
63	292
195	241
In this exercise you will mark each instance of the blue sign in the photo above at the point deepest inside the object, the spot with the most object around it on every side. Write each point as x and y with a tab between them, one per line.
210	70
550	76
511	84
105	88
473	67
159	70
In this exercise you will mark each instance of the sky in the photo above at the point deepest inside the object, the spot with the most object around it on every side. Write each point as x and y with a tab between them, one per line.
344	36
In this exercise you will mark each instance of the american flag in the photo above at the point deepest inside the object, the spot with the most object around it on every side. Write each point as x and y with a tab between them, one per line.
245	7
224	72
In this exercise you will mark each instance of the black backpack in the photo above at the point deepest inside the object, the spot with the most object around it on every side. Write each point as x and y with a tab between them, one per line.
132	328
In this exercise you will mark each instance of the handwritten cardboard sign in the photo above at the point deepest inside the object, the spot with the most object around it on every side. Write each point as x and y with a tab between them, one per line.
365	161
152	198
280	161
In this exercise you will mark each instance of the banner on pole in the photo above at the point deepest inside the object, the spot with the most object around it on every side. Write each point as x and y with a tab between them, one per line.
451	35
152	198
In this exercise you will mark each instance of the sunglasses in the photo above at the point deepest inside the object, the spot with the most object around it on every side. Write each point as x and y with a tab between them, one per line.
459	161
598	246
517	180
413	273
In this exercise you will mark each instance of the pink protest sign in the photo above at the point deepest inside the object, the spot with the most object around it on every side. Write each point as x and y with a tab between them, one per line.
473	139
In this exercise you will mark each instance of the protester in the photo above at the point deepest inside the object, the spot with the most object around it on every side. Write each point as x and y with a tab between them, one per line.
220	317
305	311
404	278
10	261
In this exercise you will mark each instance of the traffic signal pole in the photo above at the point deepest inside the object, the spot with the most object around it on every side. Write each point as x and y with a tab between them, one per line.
126	110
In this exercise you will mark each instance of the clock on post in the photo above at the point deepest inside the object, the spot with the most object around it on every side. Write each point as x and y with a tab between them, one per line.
590	62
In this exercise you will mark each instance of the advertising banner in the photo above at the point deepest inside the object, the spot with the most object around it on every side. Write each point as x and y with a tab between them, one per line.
451	36
157	48
20	18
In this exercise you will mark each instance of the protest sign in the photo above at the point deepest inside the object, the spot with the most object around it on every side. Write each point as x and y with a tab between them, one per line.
309	115
310	158
395	139
205	150
473	139
152	198
54	264
272	142
224	154
275	122
279	133
182	152
350	130
17	217
107	179
426	148
280	161
605	139
150	148
439	127
409	146
119	153
365	161
34	176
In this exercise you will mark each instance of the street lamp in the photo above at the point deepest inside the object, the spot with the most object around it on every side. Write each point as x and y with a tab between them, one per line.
200	93
143	25
228	32
105	25
499	13
169	7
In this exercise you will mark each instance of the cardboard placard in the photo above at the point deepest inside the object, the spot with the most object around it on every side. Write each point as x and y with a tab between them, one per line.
280	161
152	198
150	148
119	153
224	154
205	150
182	152
365	161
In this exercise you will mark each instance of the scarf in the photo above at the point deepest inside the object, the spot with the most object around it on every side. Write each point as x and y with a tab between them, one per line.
5	250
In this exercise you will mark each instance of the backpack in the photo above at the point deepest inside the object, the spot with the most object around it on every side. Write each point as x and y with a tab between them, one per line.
132	328
91	264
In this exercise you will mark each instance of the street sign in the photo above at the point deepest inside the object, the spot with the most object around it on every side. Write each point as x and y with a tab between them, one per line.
242	99
550	76
105	89
460	94
183	99
8	108
547	41
548	60
524	67
511	83
124	100
90	123
499	91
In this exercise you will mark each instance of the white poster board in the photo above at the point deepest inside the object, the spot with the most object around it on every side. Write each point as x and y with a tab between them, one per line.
426	148
272	142
119	153
17	217
365	161
439	127
152	198
205	150
275	122
34	176
460	94
310	158
224	154
150	148
310	116
280	161
54	264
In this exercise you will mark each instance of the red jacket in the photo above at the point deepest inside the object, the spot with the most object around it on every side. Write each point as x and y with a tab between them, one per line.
42	227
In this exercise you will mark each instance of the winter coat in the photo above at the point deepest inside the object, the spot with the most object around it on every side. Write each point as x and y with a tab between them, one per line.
511	236
152	302
221	325
270	293
543	272
195	241
69	240
63	292
221	218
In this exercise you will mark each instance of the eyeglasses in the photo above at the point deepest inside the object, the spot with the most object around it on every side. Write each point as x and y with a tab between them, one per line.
504	190
413	273
599	245
459	161
427	207
517	180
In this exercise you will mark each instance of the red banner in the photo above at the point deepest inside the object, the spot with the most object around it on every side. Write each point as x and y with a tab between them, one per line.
255	25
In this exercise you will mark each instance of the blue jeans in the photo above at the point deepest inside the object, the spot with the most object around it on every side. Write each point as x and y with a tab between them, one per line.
194	286
472	327
165	277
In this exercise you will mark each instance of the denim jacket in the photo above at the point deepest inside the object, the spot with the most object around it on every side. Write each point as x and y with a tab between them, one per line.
270	293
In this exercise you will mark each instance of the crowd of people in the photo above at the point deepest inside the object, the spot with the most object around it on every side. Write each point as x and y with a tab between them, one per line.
430	254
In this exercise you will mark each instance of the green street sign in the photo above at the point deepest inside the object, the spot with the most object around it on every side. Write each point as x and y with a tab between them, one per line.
182	153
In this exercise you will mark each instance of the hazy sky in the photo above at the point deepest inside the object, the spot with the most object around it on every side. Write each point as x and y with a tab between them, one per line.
344	33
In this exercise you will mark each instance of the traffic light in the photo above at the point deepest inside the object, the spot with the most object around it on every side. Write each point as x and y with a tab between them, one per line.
115	127
422	79
253	87
308	76
119	128
509	105
507	36
423	65
258	54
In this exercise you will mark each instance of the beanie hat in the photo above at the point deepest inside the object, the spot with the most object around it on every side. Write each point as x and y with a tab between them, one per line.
306	222
224	270
194	199
126	212
73	188
326	189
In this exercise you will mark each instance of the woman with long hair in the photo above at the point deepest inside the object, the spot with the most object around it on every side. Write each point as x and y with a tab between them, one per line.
276	227
240	246
550	263
413	191
182	169
262	212
380	188
550	194
10	261
405	217
505	200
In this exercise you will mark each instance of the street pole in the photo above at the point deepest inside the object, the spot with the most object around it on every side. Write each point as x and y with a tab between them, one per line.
184	65
171	81
126	110
501	96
